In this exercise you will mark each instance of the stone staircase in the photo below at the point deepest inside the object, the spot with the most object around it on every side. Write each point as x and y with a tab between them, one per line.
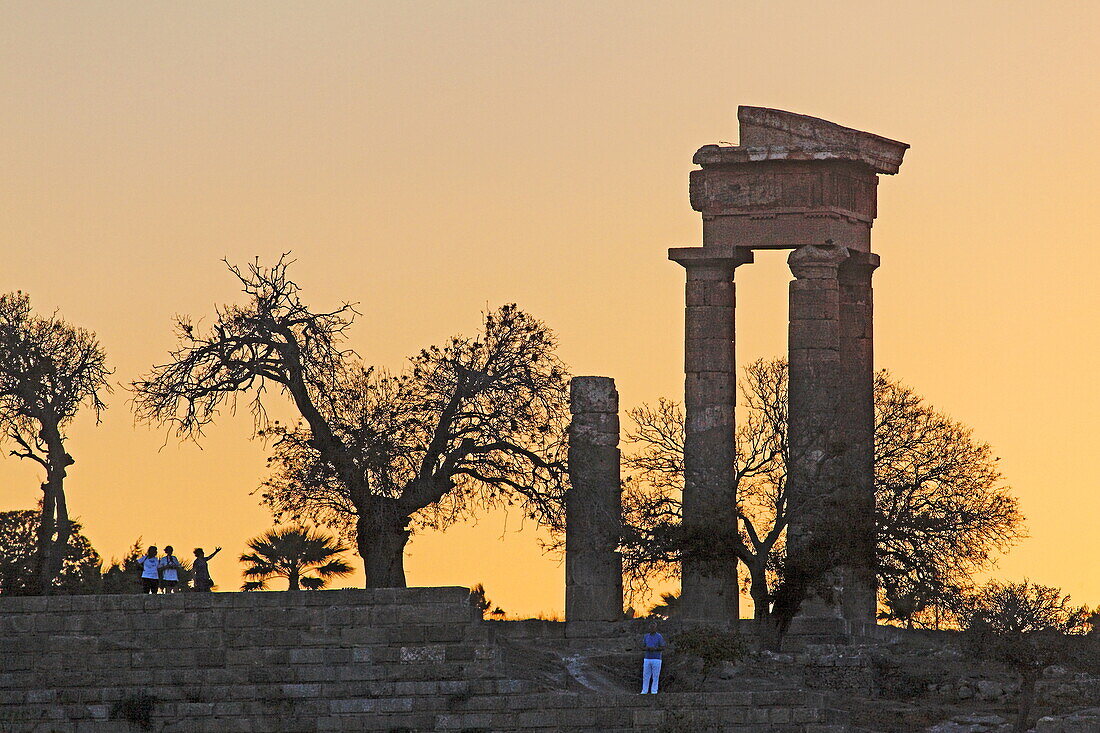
417	659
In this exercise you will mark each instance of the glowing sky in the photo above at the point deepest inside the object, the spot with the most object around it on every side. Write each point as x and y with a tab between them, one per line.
429	159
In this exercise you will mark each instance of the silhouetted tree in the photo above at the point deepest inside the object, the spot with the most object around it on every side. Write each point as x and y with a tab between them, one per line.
478	421
1025	626
80	565
942	510
124	575
667	607
294	553
49	369
479	600
655	540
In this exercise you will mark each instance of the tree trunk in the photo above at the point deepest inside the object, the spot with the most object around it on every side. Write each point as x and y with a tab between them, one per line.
292	581
39	583
1027	699
381	536
54	529
761	602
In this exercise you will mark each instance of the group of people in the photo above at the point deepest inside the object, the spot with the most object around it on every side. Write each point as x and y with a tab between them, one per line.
161	573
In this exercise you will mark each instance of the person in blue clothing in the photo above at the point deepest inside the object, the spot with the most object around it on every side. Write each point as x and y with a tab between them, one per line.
651	665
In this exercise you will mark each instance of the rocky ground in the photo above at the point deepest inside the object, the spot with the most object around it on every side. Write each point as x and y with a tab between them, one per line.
917	681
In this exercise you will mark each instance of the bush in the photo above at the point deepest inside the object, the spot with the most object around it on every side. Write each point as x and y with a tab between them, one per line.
905	679
710	645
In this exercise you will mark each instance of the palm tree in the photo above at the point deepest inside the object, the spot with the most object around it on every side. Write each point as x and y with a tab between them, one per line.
291	553
668	606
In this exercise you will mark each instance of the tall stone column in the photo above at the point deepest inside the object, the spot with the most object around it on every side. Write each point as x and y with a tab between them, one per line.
709	593
815	423
860	599
593	504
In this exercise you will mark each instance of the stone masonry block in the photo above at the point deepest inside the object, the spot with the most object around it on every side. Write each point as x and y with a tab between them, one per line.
710	292
647	718
595	428
708	354
593	567
709	321
708	426
593	394
779	715
810	287
602	602
451	594
733	715
423	654
814	304
814	334
707	388
595	468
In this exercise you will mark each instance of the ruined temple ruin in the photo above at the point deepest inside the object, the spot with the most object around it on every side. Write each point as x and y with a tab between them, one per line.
806	185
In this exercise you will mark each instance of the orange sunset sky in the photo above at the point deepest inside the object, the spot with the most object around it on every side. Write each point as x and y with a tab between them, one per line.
430	159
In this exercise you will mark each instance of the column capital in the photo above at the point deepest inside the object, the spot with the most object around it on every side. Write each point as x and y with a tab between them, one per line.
817	261
728	258
858	268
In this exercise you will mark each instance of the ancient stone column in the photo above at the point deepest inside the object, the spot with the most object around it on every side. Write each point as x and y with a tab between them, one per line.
858	410
709	593
593	504
801	183
830	489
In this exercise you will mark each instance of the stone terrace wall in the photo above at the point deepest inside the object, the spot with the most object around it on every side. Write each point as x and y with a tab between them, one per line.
239	661
417	659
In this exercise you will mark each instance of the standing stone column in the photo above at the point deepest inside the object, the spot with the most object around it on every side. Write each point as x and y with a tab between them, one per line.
815	424
858	402
593	505
709	593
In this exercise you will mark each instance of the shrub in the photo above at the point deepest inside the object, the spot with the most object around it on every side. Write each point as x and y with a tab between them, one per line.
710	645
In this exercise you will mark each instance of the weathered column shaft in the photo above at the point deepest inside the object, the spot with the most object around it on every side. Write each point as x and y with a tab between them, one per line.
857	355
593	504
814	421
830	485
709	593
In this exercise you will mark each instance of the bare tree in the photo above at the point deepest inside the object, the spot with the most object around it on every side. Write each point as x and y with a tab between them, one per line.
655	541
477	421
942	509
49	369
1025	626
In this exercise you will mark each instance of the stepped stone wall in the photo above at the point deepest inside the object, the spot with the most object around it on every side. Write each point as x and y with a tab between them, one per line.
239	661
417	659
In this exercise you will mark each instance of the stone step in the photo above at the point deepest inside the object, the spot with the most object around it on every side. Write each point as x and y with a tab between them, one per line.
406	723
395	660
274	707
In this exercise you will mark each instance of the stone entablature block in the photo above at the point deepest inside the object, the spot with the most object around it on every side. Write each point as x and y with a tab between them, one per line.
784	187
790	134
794	180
